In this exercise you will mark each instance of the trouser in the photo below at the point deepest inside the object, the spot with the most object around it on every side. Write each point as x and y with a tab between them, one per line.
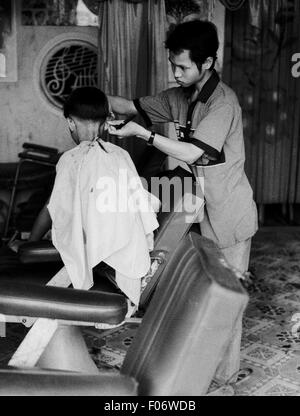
238	257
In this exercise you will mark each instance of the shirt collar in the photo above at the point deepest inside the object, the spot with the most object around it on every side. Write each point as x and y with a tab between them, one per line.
209	87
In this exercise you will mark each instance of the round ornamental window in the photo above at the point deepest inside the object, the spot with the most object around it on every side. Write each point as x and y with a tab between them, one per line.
69	65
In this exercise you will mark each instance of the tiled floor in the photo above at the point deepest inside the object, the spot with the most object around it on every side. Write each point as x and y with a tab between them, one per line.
271	336
270	364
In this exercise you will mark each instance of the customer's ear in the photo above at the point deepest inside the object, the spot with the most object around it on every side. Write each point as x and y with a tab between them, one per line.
71	124
104	125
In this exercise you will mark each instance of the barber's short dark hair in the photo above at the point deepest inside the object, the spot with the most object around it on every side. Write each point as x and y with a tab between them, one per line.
87	103
199	37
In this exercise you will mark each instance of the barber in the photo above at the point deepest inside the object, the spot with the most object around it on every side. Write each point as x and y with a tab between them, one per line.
208	123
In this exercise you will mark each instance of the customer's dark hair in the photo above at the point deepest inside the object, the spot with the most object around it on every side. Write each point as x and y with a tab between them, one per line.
199	37
87	103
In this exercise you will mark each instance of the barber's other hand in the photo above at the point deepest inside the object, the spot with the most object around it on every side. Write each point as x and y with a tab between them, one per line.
130	129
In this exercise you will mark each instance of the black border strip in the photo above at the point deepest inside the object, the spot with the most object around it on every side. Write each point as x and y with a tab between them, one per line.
220	161
209	87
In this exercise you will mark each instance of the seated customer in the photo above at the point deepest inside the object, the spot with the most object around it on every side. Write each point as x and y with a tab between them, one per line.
99	210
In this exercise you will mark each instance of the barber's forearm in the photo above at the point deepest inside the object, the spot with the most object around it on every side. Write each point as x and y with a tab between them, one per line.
185	152
121	105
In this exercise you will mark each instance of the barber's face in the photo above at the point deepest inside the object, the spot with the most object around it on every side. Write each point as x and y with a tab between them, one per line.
186	72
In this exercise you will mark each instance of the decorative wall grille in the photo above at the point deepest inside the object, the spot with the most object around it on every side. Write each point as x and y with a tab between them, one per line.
69	66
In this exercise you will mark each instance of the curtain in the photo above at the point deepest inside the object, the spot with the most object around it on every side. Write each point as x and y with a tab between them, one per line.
132	56
232	4
260	40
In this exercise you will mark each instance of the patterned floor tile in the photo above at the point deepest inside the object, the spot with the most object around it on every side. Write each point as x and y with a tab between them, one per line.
262	291
111	357
255	325
270	310
122	339
292	297
280	337
251	377
119	338
261	354
248	339
278	387
290	371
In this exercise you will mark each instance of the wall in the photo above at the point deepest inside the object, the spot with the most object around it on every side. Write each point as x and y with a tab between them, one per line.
258	66
24	114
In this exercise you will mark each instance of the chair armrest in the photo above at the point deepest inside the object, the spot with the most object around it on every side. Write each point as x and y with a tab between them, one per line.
23	299
37	382
40	154
40	148
38	252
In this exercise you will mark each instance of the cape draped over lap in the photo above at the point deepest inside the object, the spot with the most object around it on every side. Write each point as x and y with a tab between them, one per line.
100	211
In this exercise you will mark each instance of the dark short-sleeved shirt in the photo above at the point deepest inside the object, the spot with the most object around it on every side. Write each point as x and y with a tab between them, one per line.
216	127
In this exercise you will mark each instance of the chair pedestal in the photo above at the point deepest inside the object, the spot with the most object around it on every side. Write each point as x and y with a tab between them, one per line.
67	351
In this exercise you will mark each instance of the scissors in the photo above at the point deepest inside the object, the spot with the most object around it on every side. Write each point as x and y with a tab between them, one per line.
121	125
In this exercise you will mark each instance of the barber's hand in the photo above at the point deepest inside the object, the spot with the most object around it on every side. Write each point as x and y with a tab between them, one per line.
130	129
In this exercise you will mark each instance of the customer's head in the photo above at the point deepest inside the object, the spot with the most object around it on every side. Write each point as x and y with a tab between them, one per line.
196	44
86	110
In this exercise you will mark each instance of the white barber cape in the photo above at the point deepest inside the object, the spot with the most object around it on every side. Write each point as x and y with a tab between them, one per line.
100	211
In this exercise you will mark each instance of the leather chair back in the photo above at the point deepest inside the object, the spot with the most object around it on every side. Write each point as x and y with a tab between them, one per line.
189	322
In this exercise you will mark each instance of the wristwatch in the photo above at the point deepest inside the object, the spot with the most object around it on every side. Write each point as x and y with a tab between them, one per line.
151	138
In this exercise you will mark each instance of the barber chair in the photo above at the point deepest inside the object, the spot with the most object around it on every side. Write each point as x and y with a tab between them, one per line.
176	216
181	341
36	167
191	306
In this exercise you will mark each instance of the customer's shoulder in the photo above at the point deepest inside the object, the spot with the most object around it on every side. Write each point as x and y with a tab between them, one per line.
113	148
68	154
121	155
69	158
